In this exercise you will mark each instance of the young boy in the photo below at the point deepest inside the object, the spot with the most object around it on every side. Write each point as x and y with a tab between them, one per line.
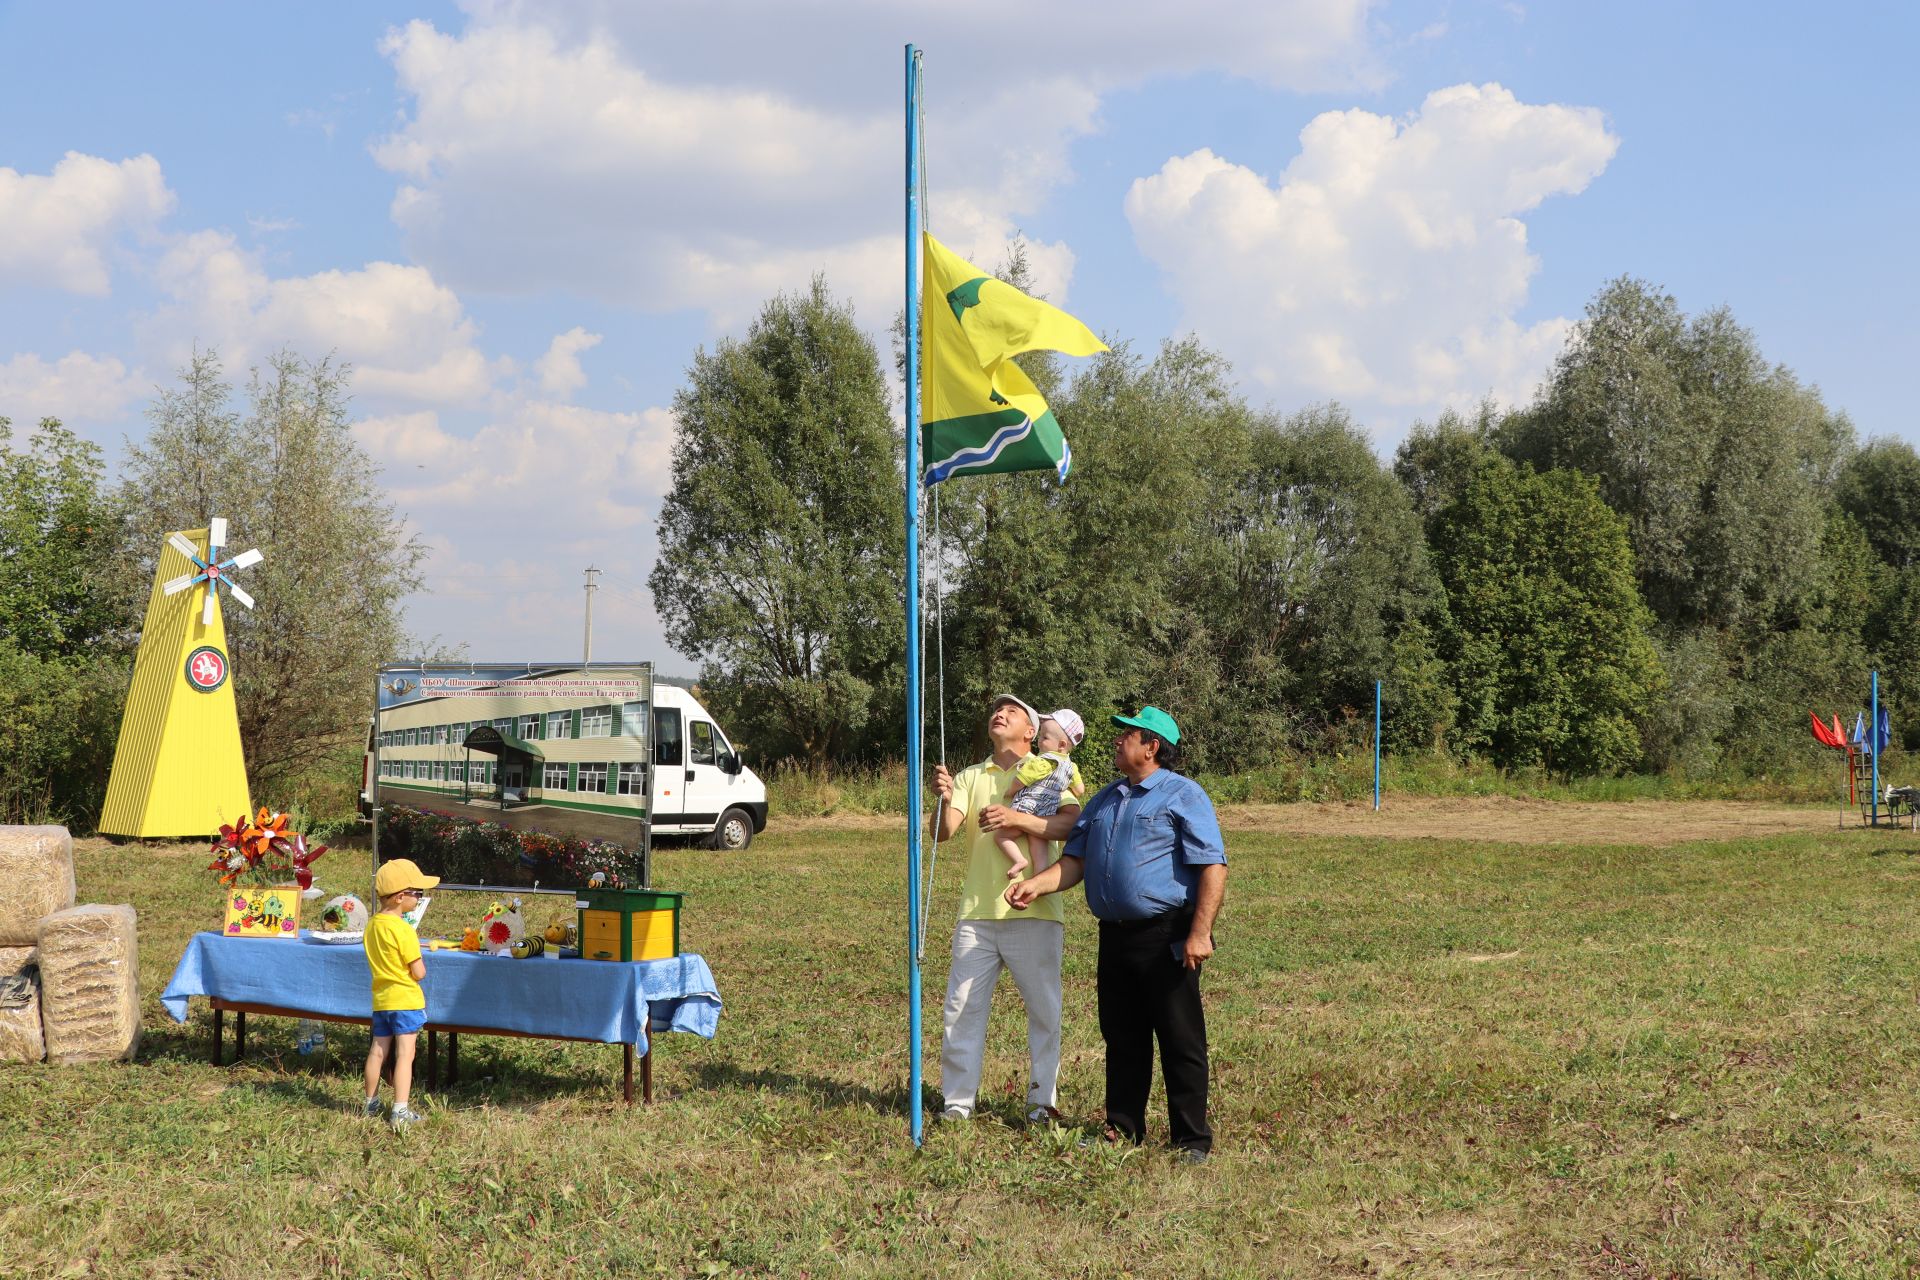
399	1005
1039	781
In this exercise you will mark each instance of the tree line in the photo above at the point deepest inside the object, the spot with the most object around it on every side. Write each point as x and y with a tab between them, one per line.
1660	564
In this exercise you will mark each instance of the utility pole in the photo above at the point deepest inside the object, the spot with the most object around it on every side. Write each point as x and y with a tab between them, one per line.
591	588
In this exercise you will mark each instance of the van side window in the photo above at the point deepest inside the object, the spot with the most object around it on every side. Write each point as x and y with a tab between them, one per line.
666	736
701	735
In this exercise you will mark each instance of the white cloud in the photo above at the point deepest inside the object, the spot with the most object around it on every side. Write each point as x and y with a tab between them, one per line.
629	155
1385	265
407	337
1307	45
78	388
56	229
513	512
584	472
559	370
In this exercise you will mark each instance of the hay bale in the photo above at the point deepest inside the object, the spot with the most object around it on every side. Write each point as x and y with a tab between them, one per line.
15	959
90	984
20	1036
36	880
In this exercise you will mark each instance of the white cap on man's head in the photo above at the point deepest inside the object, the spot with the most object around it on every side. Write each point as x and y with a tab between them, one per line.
1069	719
1033	717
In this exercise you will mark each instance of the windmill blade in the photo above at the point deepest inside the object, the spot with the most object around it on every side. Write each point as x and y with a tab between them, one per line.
206	613
216	535
240	595
246	559
174	586
185	548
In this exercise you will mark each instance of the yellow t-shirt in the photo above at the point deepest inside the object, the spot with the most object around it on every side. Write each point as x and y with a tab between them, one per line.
981	896
392	947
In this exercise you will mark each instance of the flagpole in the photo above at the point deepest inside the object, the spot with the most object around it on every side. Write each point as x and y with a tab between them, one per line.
914	711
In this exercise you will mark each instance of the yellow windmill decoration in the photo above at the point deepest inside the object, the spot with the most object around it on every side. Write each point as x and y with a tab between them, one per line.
178	769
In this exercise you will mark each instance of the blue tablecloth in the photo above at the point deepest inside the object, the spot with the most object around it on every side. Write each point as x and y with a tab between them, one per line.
585	999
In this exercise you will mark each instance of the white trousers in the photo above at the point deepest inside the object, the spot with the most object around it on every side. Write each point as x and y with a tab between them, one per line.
1031	951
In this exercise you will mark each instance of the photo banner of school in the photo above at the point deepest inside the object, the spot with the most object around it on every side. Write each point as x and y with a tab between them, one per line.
565	750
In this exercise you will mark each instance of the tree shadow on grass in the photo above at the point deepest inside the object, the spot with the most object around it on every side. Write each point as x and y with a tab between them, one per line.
719	1076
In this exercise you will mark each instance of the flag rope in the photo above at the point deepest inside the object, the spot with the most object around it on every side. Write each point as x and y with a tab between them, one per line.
940	695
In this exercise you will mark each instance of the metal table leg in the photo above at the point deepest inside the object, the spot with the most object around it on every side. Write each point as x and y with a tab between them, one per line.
219	1018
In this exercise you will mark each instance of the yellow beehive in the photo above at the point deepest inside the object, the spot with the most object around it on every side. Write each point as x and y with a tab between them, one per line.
629	924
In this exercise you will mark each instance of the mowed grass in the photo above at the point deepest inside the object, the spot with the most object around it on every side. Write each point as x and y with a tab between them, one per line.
1429	1059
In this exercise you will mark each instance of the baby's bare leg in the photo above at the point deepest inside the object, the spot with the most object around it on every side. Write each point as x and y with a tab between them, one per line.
1014	846
1038	846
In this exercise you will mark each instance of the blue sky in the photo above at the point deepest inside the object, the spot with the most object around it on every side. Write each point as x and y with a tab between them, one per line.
518	222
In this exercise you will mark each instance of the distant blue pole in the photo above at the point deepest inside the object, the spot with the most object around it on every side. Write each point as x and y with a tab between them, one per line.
1376	746
915	726
1873	745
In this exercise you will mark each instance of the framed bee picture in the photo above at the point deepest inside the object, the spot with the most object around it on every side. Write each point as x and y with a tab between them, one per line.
254	911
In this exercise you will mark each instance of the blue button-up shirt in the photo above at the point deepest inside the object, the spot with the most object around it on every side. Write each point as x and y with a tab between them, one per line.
1143	844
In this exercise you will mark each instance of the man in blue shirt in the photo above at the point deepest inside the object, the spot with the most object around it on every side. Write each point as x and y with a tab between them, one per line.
1148	849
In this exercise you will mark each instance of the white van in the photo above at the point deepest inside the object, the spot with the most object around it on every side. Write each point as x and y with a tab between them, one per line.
696	784
700	786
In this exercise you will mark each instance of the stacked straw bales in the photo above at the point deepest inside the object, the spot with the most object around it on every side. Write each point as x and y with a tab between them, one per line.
80	1001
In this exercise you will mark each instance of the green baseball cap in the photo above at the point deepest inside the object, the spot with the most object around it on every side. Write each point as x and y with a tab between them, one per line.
1154	721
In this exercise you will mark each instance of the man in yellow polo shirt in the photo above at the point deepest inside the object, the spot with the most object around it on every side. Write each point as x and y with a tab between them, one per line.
991	935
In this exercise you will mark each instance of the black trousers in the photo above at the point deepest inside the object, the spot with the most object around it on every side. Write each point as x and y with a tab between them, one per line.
1145	994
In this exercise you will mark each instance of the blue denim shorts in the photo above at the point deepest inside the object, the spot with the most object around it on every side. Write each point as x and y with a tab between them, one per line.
398	1022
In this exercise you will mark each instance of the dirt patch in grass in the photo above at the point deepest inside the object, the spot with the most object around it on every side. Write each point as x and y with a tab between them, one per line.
1498	819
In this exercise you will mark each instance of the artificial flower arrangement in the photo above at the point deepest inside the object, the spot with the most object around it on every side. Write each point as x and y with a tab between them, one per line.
261	851
255	858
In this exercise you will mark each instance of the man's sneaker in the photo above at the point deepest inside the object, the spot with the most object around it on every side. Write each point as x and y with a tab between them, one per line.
1043	1115
956	1113
403	1118
1194	1155
372	1110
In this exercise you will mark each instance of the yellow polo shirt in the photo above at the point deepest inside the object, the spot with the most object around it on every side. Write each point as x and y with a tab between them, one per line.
982	895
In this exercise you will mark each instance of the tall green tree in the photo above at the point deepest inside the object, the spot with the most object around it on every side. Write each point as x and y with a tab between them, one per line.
1439	459
59	529
290	478
1879	487
1062	592
781	541
1313	578
64	631
1719	462
1547	640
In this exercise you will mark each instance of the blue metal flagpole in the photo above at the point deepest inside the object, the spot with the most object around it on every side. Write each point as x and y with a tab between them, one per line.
914	712
1376	746
1873	745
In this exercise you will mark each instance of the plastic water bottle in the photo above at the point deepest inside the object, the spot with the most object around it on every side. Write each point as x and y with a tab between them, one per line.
312	1036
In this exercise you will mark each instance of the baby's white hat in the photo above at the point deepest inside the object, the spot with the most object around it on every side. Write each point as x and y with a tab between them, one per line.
1070	720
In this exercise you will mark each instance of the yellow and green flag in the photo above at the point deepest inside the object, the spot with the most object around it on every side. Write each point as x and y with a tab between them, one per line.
978	412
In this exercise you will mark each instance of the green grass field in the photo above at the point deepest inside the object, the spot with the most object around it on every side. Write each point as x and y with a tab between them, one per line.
1431	1058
